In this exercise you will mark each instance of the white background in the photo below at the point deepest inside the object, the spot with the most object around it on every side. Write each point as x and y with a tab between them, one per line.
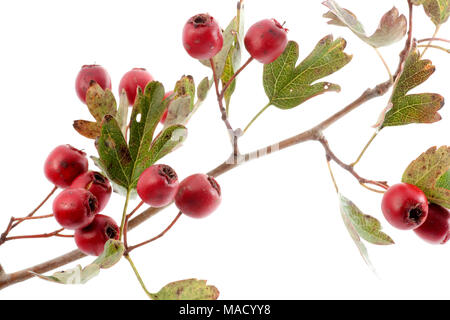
278	233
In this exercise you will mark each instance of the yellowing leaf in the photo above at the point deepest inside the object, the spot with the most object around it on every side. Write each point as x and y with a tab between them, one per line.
191	289
430	172
437	10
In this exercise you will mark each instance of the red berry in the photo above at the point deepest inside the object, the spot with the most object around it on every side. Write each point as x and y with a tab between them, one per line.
91	73
202	37
91	240
75	208
166	112
405	206
64	164
198	196
97	184
436	228
266	40
136	77
158	185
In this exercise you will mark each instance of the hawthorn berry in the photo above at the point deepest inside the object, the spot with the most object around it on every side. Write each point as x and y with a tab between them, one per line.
158	185
405	206
75	208
64	164
90	73
266	40
97	184
136	77
198	196
202	37
166	112
91	239
436	228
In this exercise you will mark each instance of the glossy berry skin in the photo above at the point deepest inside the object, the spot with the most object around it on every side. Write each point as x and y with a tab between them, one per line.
198	196
90	73
75	208
158	185
166	112
91	240
266	40
436	229
136	77
64	164
97	184
202	37
405	206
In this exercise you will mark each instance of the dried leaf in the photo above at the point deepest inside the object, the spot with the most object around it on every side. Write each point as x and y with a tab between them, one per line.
437	10
190	289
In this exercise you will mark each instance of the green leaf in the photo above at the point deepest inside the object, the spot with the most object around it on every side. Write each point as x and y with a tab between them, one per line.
167	141
203	89
287	86
182	104
122	112
437	10
227	74
112	253
191	289
366	226
147	111
392	27
414	108
100	103
430	172
115	156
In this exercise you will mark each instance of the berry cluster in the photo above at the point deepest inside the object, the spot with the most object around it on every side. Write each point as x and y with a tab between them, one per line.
85	195
406	207
196	196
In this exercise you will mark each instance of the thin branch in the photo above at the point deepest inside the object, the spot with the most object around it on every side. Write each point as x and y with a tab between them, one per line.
385	64
36	236
430	41
434	47
433	39
227	85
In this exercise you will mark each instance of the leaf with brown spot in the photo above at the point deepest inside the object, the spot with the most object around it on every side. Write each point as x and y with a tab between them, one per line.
437	10
190	289
88	129
392	27
430	172
414	108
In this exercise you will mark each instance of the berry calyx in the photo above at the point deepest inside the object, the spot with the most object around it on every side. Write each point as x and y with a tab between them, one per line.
75	208
158	185
97	184
90	73
405	206
436	228
91	240
198	196
136	77
266	40
202	37
64	164
166	112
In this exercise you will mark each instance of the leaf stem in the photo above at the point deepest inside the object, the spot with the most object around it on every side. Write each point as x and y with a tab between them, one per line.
385	64
257	116
365	149
138	276
332	175
431	41
124	214
434	47
125	230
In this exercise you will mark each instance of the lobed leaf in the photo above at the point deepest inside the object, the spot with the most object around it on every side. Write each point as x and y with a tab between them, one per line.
391	29
414	108
288	85
430	172
190	289
366	226
437	10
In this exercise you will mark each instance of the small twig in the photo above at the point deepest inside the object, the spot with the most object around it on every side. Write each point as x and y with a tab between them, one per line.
158	236
125	230
431	41
227	85
391	77
434	47
124	214
36	236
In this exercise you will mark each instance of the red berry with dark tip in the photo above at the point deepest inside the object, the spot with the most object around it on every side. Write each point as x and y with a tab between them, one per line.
97	184
166	112
136	77
158	185
202	37
90	73
75	208
91	240
266	40
436	228
198	196
405	206
64	164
